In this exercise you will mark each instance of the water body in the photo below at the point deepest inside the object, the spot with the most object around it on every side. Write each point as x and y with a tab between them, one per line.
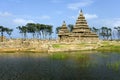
60	66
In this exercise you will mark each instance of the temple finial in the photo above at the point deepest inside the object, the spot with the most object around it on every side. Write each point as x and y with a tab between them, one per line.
64	24
81	11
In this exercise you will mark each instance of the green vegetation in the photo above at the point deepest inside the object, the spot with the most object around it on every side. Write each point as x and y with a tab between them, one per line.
115	66
59	56
80	56
74	55
107	33
37	30
109	46
103	55
3	30
56	46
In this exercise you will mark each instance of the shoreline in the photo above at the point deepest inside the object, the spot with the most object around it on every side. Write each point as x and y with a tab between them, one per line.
54	46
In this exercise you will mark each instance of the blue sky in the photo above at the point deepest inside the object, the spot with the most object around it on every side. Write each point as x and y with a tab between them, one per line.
98	13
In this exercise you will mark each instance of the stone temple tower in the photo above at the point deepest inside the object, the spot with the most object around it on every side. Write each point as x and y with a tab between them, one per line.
63	32
80	32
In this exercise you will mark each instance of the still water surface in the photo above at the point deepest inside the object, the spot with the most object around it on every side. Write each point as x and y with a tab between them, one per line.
60	66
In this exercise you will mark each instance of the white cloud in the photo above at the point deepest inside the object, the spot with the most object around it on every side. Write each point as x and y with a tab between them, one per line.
87	16
74	17
112	22
45	17
91	16
116	22
5	14
22	21
77	5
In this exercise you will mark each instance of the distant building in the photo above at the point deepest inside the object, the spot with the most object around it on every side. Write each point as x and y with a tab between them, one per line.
80	32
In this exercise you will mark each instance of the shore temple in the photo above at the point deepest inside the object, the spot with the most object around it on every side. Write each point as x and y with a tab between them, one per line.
80	31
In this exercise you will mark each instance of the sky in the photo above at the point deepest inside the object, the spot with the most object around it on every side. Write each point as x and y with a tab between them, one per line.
98	13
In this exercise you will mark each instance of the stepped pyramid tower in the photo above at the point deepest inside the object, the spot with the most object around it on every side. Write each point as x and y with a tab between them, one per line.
80	32
63	32
81	25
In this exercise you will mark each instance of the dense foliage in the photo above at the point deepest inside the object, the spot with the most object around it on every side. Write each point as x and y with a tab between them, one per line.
3	30
37	30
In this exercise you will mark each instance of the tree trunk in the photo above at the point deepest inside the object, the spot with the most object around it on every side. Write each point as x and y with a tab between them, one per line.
1	36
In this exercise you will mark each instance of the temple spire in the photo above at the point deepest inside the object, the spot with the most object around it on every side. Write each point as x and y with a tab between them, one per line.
81	11
64	24
63	30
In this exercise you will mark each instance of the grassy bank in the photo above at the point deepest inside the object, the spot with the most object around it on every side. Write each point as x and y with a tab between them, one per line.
38	47
109	46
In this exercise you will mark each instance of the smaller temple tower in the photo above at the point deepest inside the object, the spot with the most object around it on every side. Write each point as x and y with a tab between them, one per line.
63	32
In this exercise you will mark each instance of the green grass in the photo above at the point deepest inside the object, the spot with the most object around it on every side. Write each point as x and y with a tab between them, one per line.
115	66
103	55
107	46
66	55
58	56
56	46
80	56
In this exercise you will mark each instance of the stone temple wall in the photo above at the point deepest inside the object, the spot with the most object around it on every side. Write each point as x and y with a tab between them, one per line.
78	39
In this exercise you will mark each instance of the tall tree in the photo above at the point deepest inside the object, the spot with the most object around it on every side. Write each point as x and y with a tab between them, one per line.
38	30
9	32
109	33
23	30
31	28
57	29
118	31
106	32
49	30
3	30
103	31
70	27
93	29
